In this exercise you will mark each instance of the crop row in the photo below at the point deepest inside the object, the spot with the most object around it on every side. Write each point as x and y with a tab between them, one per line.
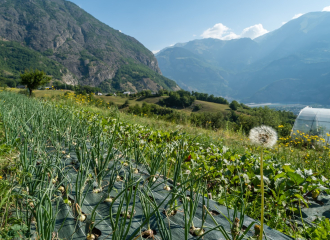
101	176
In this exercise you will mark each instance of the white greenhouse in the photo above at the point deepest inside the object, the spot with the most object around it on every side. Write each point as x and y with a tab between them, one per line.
313	121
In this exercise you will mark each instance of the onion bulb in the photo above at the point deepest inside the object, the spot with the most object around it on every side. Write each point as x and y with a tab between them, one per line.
109	199
82	218
170	213
90	236
97	190
148	233
198	231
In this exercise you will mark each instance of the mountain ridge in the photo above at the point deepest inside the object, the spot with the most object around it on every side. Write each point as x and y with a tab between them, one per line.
195	68
298	52
92	51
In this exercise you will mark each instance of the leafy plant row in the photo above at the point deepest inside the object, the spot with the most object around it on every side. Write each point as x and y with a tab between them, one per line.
109	154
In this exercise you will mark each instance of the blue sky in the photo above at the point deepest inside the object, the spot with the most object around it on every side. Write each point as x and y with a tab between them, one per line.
159	23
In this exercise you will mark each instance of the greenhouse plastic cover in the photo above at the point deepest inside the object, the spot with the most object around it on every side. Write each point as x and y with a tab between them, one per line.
313	121
73	229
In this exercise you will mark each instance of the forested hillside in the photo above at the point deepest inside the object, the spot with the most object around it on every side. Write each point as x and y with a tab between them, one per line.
91	51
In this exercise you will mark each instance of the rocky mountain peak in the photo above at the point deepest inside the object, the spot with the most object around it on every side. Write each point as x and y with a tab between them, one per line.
92	51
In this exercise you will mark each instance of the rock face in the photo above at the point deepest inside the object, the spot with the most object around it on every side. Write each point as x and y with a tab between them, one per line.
88	48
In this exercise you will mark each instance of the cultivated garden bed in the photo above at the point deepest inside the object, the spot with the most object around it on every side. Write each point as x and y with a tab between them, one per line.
81	175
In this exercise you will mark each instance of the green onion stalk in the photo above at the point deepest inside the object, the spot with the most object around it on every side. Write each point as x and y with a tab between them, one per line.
236	225
113	173
100	162
124	216
164	232
37	178
92	223
154	165
138	153
45	214
180	156
147	209
190	205
83	178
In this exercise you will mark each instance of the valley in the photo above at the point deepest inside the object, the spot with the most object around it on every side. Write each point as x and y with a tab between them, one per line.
104	137
288	65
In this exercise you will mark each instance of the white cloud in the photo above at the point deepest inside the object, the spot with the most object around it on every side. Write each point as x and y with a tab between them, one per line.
172	45
119	30
194	35
219	31
254	31
155	51
326	9
297	15
222	32
284	23
230	36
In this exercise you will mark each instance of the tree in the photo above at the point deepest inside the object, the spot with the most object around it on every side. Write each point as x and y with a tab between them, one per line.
197	107
34	79
234	105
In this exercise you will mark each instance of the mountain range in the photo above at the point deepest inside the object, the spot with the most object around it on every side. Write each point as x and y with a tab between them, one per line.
71	45
288	65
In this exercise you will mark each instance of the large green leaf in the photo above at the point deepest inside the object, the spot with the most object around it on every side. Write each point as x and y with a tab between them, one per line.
287	168
282	174
296	178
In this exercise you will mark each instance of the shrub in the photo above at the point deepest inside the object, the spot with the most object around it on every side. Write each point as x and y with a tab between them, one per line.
234	105
179	99
197	107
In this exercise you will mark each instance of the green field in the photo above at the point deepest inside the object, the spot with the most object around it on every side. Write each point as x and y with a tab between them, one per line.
206	106
43	93
118	100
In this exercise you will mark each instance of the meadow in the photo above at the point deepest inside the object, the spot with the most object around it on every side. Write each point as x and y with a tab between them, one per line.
120	100
205	106
60	152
